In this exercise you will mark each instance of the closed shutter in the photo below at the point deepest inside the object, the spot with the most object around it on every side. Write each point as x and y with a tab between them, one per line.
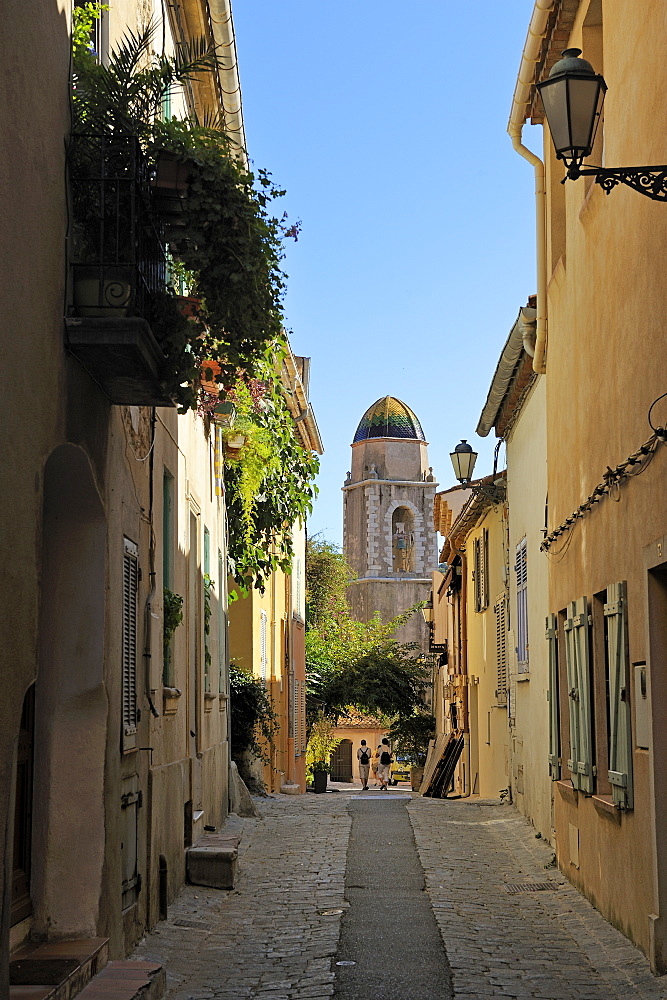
552	696
577	657
263	645
129	645
302	716
620	732
521	570
499	610
484	569
477	572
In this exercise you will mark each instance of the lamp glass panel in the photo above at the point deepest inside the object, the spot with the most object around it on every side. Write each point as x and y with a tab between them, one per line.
585	109
464	463
554	97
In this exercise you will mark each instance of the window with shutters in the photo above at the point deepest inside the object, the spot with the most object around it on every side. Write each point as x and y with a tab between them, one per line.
500	613
521	571
481	570
552	697
208	594
577	657
618	689
222	632
129	645
168	523
263	645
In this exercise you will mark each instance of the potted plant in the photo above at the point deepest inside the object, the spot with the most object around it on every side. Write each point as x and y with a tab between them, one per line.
412	734
321	769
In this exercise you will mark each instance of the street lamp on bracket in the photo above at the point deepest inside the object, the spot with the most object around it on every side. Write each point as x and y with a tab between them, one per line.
463	460
573	95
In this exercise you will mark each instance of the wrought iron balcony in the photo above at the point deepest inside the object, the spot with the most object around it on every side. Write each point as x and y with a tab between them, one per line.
118	267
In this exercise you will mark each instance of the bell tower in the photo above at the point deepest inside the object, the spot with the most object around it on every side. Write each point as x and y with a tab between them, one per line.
388	533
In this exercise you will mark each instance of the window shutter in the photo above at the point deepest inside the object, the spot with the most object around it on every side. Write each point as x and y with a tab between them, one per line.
552	695
484	569
620	731
499	610
129	644
263	657
521	570
302	716
477	569
579	695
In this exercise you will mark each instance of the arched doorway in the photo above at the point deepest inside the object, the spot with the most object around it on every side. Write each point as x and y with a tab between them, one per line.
341	762
71	703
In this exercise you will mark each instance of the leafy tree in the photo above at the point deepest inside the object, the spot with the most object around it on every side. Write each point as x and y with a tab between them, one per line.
328	575
412	734
352	663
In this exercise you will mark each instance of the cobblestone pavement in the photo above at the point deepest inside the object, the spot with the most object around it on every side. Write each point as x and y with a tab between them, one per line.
550	944
269	940
266	939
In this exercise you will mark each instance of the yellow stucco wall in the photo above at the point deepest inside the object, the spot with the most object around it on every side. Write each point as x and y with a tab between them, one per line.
488	719
607	357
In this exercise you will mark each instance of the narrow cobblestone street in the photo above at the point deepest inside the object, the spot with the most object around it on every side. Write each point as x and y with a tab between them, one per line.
276	935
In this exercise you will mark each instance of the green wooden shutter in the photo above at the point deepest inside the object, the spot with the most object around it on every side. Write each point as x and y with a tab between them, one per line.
552	696
620	731
579	695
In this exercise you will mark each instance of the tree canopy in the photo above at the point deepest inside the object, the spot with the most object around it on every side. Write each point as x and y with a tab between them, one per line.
352	663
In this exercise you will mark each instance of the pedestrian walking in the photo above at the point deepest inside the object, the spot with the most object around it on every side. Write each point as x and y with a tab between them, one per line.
384	766
364	754
375	763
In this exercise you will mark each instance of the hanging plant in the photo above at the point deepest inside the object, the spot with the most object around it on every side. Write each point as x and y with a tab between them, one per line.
172	616
260	533
227	241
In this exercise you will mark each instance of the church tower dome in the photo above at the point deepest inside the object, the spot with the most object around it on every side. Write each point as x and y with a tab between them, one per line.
389	418
389	539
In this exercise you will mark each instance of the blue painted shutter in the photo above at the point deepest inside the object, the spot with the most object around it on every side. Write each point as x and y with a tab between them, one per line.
620	730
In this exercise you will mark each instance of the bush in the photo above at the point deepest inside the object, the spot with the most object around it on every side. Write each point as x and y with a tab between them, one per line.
253	717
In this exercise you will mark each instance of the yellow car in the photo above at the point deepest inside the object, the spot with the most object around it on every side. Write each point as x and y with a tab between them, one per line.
400	770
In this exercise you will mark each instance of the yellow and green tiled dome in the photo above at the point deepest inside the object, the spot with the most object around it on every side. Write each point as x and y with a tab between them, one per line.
389	418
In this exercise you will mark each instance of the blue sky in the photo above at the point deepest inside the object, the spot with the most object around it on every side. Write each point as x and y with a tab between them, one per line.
386	122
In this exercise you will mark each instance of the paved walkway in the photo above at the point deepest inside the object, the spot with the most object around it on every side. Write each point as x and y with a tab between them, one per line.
274	937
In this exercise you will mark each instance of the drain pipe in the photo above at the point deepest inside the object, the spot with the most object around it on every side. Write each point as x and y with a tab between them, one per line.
519	113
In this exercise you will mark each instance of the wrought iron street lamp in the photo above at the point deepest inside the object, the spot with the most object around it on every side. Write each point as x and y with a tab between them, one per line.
463	459
572	97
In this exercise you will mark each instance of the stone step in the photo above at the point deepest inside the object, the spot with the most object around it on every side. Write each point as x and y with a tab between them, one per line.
212	861
57	970
127	981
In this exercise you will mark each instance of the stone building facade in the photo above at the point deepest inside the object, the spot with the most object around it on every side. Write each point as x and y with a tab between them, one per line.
388	515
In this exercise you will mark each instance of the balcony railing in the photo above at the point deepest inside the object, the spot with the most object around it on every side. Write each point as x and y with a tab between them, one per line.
118	266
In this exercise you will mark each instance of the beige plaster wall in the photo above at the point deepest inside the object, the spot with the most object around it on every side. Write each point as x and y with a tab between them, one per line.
527	496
